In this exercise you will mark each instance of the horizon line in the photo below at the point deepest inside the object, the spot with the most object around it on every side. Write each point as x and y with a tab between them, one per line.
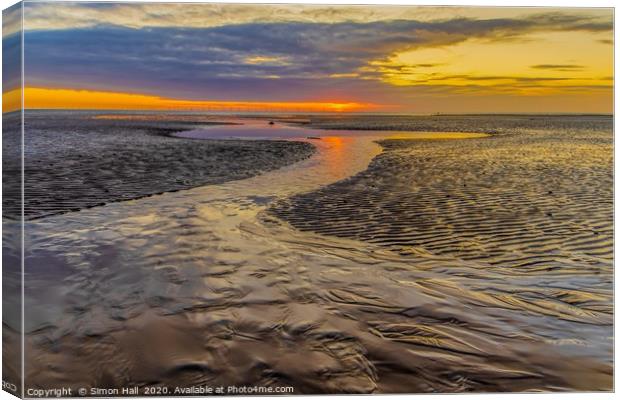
242	113
38	98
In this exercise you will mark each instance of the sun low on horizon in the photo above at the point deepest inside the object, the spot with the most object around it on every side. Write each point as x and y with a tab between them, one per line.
294	58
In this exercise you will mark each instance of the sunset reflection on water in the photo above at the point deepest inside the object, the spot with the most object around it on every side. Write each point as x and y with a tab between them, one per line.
336	161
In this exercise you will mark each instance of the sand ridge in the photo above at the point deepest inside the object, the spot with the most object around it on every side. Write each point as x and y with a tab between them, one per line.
520	201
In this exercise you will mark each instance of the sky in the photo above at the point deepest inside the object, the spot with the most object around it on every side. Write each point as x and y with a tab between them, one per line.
313	58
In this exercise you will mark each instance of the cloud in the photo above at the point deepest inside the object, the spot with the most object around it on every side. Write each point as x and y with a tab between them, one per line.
11	48
227	58
12	20
68	15
489	81
267	60
558	67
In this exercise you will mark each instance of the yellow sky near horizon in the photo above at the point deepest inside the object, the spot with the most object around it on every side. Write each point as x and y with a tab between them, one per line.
44	98
48	98
538	64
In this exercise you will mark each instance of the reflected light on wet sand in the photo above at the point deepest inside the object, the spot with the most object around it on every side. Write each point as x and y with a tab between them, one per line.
437	135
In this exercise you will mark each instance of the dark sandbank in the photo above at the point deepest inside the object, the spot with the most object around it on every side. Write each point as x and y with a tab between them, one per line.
75	161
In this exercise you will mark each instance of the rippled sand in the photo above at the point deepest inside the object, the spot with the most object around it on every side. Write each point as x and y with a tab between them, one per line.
479	264
77	160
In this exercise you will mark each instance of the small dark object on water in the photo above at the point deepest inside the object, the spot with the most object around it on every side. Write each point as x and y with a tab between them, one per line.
271	123
313	137
551	192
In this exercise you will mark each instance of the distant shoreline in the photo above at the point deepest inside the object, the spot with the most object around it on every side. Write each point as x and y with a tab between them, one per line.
271	113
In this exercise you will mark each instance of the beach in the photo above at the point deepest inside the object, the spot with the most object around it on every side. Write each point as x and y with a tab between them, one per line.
125	158
331	254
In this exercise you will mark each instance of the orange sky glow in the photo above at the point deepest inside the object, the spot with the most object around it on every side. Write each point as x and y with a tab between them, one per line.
43	98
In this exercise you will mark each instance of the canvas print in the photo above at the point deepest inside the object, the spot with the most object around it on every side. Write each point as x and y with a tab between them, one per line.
246	199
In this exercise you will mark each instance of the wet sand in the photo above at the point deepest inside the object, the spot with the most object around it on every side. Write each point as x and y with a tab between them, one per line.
77	160
530	202
374	266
